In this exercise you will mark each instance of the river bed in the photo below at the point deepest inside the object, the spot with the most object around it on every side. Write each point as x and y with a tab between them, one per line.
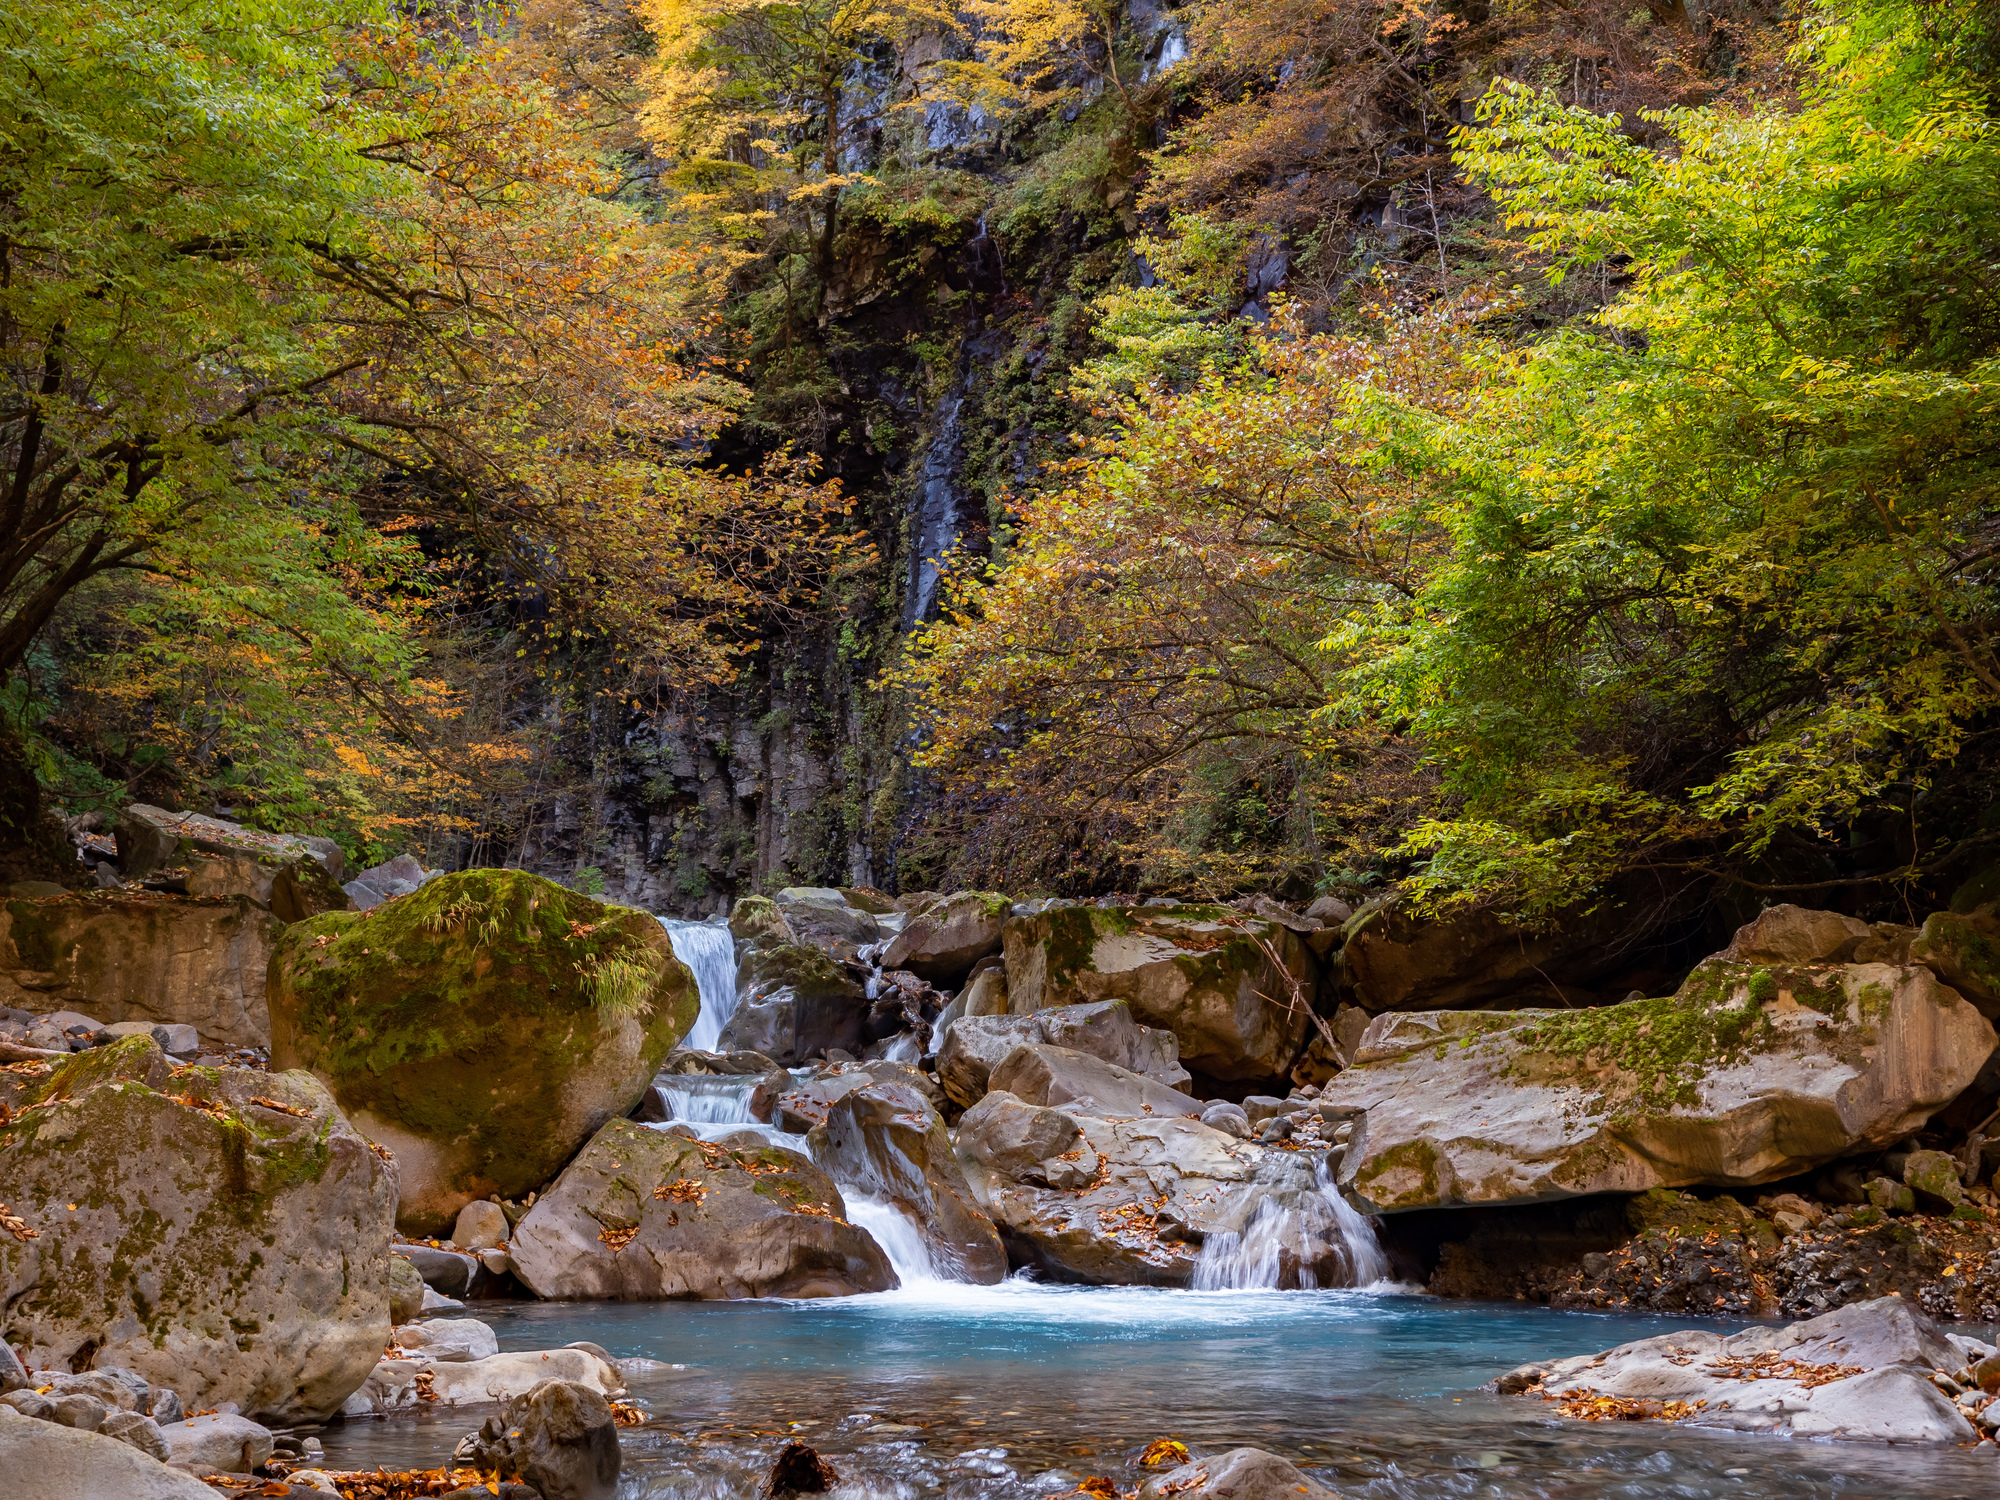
1023	1390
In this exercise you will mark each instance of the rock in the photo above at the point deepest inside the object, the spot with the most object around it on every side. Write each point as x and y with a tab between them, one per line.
452	1273
181	1041
13	1374
393	1384
1330	911
43	1461
291	877
642	1214
150	1271
943	942
116	1390
559	1438
1861	1373
1240	1474
757	921
77	1410
1796	935
1082	1084
885	1140
798	1470
820	919
219	1443
481	1028
141	957
396	877
1963	949
1080	1197
436	1302
1933	1177
974	1045
481	1225
795	1004
406	1291
1750	1073
1201	972
138	1431
1890	1196
30	1403
1228	1118
449	1340
986	994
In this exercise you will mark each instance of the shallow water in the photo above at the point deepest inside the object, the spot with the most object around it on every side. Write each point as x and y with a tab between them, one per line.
1022	1390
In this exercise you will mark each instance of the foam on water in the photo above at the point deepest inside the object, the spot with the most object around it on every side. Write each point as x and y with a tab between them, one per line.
710	952
1253	1259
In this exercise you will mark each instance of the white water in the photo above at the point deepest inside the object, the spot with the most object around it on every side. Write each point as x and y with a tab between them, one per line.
710	952
1250	1261
900	1240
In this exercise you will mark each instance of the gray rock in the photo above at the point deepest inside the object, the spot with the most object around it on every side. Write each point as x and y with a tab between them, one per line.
1205	973
434	1303
1891	1399
451	1273
974	1046
165	1406
1240	1474
406	1290
886	1141
119	1390
480	1226
1023	1142
42	1461
560	1438
942	942
139	1431
151	1267
180	1040
1330	910
392	1386
13	1374
452	1340
222	1443
701	1224
30	1403
832	927
1260	1107
392	878
795	1003
1752	1072
1080	1083
1230	1119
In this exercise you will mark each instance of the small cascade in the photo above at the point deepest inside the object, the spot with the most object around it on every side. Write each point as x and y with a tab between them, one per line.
900	1239
1292	1240
697	1099
710	952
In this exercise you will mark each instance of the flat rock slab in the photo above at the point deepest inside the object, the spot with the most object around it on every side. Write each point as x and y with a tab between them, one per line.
1862	1373
413	1383
1752	1072
45	1461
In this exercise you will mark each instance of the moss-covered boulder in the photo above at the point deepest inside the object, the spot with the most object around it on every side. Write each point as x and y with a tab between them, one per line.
223	1232
942	942
1963	949
1751	1072
646	1215
1205	973
482	1028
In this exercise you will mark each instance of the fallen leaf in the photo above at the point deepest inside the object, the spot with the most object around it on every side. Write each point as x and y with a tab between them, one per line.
1162	1453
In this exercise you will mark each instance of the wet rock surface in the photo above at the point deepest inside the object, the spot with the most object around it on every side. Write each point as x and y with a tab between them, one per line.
645	1214
1867	1373
975	1045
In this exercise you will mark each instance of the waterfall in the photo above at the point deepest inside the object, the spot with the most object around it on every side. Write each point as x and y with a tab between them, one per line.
708	950
1295	1233
713	1107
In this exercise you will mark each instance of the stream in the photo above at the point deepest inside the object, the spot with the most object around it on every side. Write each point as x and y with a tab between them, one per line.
1023	1390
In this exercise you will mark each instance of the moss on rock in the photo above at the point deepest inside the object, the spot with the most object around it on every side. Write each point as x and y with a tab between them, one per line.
482	1027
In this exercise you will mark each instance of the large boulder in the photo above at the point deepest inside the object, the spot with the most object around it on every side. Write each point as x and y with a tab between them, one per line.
943	941
794	1002
221	1231
1128	1202
1865	1373
1963	949
290	876
482	1028
1205	973
48	1461
975	1044
819	917
1088	1085
886	1141
415	1381
136	956
560	1439
647	1215
1750	1073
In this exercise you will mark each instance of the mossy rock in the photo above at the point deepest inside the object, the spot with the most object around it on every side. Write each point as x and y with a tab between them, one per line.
481	1028
1205	973
756	920
1963	949
221	1231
